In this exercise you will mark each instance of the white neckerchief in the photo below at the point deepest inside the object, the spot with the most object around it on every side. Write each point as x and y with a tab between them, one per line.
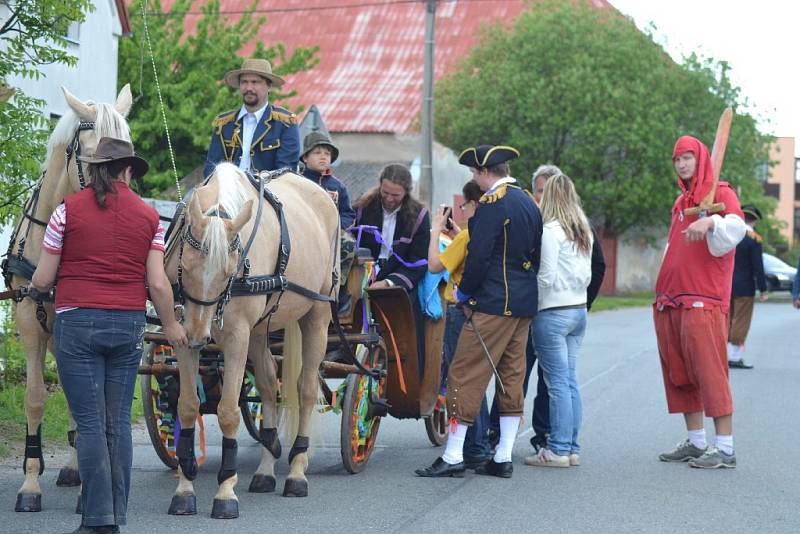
249	124
387	232
498	183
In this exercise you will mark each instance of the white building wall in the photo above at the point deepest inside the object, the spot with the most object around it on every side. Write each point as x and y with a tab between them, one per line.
95	75
638	261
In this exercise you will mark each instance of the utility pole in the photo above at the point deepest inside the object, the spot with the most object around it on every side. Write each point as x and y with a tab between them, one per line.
426	170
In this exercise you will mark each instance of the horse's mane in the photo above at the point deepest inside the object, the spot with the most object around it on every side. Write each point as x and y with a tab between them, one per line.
231	199
108	123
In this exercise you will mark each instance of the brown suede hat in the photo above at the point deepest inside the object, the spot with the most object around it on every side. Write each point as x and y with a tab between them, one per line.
110	149
261	67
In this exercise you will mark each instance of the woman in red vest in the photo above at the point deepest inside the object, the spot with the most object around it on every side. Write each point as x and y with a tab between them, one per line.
103	248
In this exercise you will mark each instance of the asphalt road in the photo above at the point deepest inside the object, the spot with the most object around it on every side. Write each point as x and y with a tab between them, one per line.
621	486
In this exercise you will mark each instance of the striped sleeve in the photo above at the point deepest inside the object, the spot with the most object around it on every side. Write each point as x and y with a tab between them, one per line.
54	233
158	240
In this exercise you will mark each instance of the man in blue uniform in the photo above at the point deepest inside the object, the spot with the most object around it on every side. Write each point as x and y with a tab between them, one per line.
258	136
500	295
748	273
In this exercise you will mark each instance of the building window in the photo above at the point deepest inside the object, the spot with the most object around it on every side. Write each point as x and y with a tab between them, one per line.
797	169
73	33
773	190
762	172
797	221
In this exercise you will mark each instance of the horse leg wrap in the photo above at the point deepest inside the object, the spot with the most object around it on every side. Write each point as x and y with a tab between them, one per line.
71	434
185	453
33	449
300	446
269	439
228	467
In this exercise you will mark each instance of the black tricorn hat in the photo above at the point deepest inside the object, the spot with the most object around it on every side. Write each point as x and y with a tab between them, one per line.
752	211
110	149
483	156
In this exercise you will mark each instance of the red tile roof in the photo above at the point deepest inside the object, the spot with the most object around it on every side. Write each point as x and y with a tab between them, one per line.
369	76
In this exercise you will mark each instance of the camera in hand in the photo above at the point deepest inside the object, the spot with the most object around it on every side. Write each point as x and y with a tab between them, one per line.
447	211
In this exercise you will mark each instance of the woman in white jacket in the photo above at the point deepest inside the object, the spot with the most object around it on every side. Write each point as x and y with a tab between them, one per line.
558	329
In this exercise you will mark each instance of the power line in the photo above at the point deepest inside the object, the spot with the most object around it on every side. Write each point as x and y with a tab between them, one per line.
300	9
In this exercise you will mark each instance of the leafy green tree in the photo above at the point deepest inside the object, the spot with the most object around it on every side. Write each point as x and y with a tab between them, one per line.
31	35
584	89
190	67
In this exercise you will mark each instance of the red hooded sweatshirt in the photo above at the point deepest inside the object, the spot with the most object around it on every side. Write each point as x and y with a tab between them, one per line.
690	274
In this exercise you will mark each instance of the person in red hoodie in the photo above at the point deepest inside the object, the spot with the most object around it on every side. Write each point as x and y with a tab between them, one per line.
693	292
104	247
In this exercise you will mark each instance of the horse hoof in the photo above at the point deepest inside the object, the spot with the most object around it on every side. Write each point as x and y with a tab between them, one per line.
68	478
28	502
295	488
183	505
79	505
225	509
262	484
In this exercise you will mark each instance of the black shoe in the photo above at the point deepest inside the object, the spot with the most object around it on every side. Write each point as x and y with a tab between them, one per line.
440	468
475	463
539	441
105	529
739	364
496	469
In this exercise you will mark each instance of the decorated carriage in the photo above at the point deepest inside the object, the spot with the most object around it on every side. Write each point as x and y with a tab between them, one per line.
237	371
380	330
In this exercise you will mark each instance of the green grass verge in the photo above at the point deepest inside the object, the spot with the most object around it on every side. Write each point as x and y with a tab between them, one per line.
56	421
628	300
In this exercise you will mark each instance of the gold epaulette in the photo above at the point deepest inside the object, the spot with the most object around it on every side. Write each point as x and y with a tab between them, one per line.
283	115
224	118
754	235
494	197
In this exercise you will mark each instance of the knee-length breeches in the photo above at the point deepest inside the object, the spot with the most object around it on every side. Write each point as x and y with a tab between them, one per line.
470	372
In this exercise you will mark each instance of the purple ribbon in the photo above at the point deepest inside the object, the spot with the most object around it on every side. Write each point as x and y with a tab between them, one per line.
369	229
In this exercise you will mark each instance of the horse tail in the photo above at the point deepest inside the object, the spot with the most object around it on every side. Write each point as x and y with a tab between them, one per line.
336	264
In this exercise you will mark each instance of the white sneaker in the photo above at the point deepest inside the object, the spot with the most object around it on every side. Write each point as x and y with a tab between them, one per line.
547	458
574	459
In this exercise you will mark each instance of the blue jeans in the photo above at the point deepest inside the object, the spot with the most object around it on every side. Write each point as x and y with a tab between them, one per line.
476	443
98	353
558	335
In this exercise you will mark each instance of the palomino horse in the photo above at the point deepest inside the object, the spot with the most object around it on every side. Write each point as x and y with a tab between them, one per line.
204	258
78	131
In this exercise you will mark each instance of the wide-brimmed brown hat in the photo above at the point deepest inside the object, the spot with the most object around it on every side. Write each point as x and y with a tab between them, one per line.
315	139
261	67
110	149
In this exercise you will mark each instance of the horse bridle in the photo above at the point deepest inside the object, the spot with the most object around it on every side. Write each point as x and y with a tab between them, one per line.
17	263
225	295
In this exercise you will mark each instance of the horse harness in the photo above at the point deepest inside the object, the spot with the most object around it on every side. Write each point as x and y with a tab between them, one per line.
248	285
16	263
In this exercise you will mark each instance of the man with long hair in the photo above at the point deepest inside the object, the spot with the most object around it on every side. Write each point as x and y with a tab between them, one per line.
499	294
403	229
693	291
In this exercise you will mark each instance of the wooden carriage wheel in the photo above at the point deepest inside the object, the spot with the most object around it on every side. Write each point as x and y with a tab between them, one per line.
251	407
436	424
160	406
359	430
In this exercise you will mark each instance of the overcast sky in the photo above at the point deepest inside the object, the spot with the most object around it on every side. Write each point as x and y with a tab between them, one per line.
760	40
